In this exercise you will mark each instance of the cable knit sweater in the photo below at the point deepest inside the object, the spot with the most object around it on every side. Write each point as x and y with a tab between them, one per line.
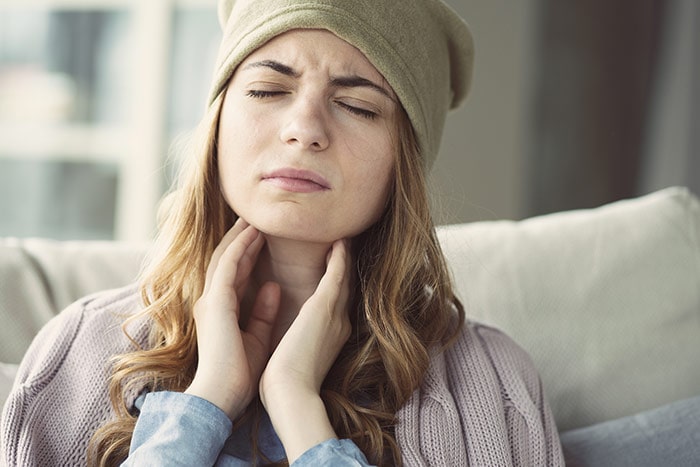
481	403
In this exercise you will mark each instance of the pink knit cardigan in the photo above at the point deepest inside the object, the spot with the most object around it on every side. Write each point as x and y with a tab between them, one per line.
481	403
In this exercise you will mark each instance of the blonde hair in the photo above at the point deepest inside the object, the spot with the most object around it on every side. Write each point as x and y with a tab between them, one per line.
404	306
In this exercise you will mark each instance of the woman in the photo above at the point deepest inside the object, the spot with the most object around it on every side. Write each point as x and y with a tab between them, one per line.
298	309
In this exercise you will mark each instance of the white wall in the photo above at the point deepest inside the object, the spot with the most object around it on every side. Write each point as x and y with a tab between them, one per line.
479	174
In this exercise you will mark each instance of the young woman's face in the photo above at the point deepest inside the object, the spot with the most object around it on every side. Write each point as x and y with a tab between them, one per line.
306	145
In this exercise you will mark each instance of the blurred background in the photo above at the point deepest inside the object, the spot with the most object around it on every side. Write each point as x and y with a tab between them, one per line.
574	104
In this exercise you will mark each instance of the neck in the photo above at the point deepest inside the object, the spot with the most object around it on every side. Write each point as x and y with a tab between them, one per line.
297	267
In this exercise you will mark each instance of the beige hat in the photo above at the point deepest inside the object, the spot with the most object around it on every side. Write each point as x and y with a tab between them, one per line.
422	48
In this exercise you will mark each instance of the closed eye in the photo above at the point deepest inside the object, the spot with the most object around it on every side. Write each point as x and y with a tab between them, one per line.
357	110
263	94
260	94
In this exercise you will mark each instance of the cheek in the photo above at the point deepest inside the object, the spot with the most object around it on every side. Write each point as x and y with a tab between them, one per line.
373	188
236	152
383	186
231	171
238	134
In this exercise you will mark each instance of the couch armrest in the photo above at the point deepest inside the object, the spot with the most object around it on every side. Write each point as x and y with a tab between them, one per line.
40	277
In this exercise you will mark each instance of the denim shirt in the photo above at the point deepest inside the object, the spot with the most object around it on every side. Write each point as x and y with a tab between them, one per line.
180	429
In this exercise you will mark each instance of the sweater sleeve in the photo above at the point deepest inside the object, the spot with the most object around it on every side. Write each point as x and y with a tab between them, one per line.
22	443
481	403
531	429
60	396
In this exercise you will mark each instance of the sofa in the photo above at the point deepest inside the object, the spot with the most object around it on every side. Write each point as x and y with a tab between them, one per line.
605	300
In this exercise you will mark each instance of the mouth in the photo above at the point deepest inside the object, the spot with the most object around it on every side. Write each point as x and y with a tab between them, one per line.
297	180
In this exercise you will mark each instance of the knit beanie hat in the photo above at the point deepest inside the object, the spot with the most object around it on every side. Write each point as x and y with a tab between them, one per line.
422	48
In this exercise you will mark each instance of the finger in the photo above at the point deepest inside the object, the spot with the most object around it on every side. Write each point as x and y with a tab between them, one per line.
329	290
348	277
224	276
332	283
247	263
262	321
229	237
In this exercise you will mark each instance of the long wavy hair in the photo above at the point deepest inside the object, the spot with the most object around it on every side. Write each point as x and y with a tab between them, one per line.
404	305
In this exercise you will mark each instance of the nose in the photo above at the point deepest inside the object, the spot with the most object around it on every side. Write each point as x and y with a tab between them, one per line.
306	125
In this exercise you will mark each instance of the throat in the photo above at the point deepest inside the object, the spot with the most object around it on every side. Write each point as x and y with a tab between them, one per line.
297	267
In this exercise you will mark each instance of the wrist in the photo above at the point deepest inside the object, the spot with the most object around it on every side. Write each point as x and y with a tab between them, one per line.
300	420
228	402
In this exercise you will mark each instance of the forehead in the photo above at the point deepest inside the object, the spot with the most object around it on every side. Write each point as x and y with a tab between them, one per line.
315	48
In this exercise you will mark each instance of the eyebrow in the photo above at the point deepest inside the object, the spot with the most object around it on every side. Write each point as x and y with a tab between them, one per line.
353	81
277	66
359	82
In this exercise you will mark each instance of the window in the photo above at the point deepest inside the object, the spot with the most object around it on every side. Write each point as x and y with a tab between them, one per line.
92	94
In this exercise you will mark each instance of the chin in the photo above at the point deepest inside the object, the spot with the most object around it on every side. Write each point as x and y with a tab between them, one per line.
297	230
302	226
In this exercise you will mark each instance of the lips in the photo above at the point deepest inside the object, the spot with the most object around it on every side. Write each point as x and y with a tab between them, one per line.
297	180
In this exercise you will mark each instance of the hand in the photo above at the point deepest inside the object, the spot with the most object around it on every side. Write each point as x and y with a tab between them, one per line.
231	360
291	383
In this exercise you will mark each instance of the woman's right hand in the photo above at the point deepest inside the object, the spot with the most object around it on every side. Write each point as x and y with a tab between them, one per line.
231	360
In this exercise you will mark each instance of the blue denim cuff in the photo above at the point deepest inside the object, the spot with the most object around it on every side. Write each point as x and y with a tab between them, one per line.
178	429
333	453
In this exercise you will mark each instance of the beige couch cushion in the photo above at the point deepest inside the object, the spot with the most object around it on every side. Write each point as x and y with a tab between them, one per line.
607	301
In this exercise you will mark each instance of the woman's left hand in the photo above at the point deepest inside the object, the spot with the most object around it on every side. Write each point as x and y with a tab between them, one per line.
291	383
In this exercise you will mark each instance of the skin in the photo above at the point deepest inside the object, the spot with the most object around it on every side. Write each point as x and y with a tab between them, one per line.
273	315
